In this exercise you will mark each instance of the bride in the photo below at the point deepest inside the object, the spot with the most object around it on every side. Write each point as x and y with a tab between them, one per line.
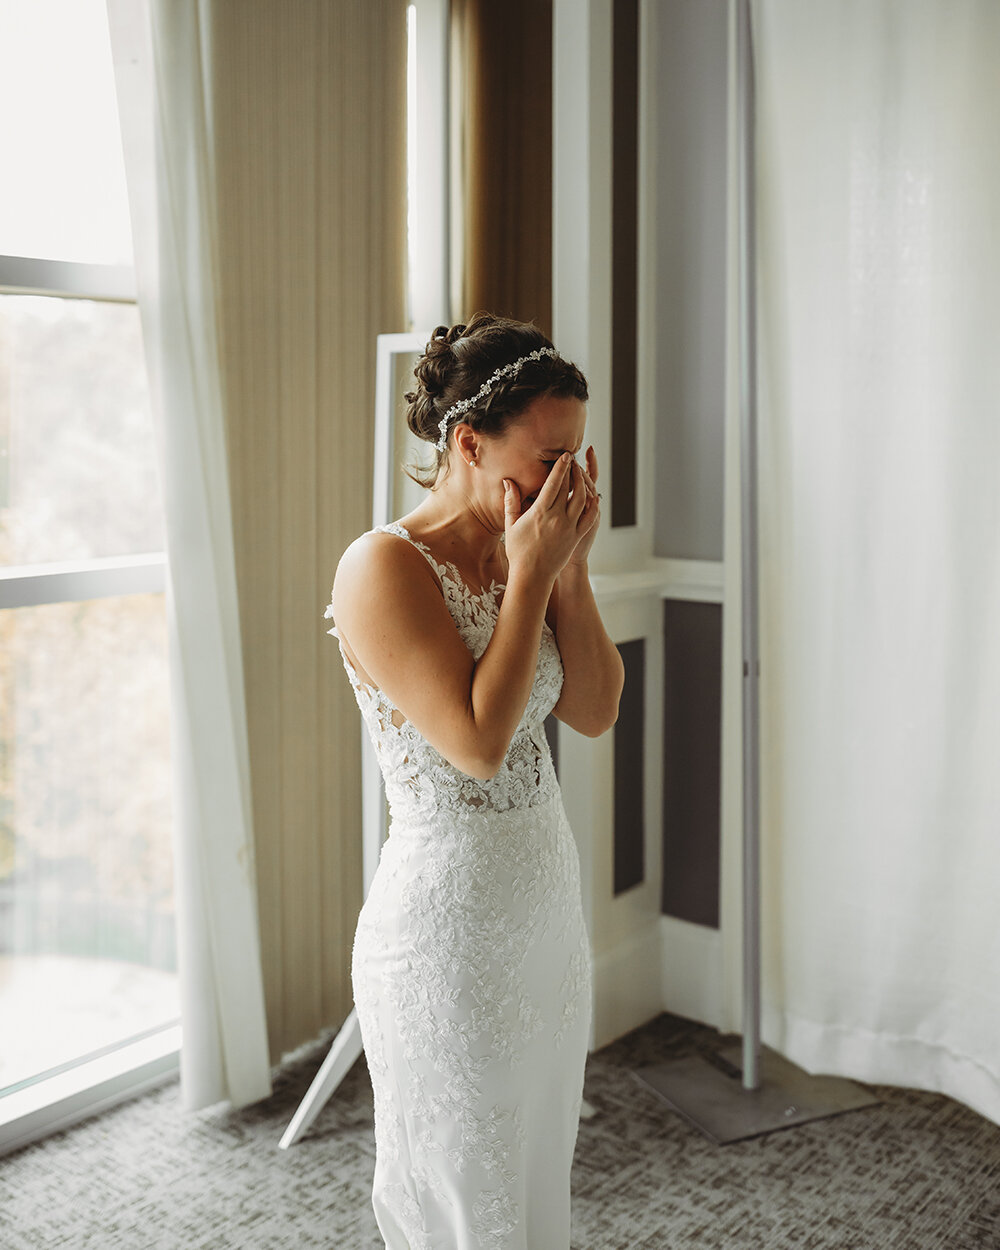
462	626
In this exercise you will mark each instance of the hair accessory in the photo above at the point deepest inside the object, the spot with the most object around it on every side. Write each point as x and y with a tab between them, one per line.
465	404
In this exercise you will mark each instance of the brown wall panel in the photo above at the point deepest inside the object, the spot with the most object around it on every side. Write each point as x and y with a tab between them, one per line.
624	260
692	743
629	734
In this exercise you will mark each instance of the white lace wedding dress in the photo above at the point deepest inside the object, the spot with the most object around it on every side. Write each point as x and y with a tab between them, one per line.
471	976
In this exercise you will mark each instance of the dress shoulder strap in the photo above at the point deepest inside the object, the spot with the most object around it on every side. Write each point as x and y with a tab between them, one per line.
401	531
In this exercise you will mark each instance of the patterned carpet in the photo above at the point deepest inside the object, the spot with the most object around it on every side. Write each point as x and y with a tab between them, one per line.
916	1171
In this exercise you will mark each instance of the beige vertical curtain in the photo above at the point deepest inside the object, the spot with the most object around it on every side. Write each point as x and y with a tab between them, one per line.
309	103
503	104
282	216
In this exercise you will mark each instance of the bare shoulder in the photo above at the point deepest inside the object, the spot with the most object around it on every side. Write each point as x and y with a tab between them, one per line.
376	554
396	629
378	569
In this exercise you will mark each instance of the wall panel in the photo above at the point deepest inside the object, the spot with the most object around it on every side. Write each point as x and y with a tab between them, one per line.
692	739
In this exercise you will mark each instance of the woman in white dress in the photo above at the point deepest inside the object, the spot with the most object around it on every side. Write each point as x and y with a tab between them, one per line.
462	626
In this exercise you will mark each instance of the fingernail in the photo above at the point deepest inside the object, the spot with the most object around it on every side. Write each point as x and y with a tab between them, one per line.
506	484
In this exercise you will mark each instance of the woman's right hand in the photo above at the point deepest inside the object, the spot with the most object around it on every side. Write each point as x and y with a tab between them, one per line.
542	539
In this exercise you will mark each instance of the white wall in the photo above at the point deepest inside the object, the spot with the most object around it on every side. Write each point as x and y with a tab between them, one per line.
689	115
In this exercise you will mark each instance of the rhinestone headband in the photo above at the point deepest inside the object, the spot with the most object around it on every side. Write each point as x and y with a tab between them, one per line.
473	402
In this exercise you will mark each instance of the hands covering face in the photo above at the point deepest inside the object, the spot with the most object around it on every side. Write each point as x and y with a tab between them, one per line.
559	526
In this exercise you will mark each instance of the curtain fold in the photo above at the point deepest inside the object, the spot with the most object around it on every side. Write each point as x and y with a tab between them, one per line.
879	262
161	60
270	257
504	137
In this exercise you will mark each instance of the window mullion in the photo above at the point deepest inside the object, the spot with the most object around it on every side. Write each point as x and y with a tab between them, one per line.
29	275
29	586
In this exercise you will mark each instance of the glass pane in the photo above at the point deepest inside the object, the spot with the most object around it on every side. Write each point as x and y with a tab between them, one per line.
77	473
87	951
60	147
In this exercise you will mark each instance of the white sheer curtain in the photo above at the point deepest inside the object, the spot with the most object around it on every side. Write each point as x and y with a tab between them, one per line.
879	255
165	106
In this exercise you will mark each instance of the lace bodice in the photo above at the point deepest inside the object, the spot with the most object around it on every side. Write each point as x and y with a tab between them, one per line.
420	784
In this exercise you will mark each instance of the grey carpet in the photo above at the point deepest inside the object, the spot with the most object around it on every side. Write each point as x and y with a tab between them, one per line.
917	1171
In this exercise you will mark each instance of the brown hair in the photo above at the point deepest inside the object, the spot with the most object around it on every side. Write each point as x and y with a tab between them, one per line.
457	362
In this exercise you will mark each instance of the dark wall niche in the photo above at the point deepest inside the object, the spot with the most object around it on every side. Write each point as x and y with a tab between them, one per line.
692	759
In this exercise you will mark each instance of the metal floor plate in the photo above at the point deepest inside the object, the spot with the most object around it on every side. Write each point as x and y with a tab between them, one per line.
714	1101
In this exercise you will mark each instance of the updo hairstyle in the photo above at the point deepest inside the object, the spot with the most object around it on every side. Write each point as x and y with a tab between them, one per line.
457	362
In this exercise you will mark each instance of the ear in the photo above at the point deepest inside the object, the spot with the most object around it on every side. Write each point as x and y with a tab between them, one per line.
467	441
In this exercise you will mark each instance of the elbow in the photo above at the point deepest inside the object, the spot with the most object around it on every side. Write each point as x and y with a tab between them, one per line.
596	726
490	765
592	717
602	718
483	754
483	766
480	770
594	721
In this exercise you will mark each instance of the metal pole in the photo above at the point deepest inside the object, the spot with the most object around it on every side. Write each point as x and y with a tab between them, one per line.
748	539
774	1094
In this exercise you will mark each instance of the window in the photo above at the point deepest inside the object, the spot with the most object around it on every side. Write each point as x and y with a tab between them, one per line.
88	980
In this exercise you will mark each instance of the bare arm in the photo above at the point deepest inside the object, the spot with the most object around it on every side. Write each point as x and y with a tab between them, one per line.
593	672
391	615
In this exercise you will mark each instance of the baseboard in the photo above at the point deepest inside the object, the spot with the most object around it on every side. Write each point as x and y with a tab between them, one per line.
691	971
627	986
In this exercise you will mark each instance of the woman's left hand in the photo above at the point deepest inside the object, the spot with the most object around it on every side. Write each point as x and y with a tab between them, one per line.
592	513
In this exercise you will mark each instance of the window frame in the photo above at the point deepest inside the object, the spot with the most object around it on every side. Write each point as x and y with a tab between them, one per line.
54	1101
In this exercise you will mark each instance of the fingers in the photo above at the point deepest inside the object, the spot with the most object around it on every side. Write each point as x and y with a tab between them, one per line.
588	477
557	483
581	492
592	512
511	502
